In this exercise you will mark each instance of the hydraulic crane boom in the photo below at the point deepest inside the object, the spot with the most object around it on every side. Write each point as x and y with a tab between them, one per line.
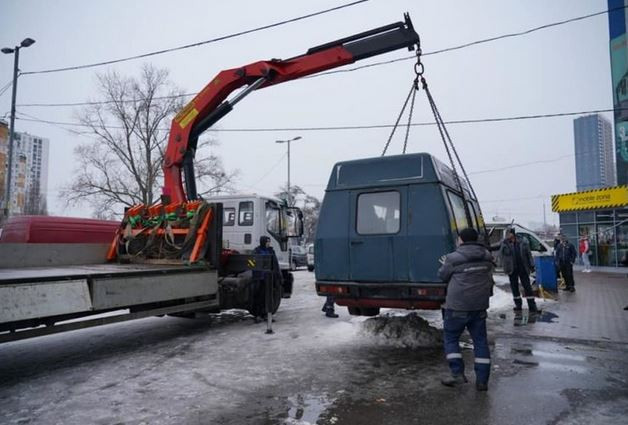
210	105
184	228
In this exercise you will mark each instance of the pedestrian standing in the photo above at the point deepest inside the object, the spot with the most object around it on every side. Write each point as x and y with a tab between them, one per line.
328	307
468	272
584	248
517	262
565	256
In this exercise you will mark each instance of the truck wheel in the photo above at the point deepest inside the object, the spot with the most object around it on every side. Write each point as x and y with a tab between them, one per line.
310	268
370	311
258	300
354	311
288	280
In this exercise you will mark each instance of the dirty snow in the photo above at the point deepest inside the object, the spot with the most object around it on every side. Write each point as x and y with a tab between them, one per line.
407	331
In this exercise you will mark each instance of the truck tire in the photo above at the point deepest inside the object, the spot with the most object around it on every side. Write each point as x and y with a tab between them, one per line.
288	281
310	268
257	305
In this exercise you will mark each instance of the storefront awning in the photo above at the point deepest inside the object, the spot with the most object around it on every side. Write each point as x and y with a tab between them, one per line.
608	197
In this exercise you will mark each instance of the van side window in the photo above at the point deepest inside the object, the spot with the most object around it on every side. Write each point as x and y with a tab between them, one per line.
475	215
378	213
534	243
245	216
229	217
457	207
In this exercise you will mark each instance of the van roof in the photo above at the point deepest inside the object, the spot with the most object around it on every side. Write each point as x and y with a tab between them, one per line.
391	170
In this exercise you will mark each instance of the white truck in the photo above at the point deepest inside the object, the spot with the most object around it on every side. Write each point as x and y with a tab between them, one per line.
54	276
247	217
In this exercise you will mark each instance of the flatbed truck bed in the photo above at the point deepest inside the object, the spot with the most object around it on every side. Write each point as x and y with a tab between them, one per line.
86	271
46	289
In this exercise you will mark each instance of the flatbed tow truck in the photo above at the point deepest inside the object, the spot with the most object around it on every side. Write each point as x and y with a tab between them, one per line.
168	257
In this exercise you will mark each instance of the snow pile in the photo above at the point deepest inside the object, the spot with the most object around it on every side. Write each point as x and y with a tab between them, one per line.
408	331
500	299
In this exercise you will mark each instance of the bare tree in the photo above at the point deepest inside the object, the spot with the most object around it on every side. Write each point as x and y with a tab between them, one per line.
123	165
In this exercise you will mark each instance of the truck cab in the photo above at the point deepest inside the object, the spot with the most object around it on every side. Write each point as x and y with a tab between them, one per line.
247	217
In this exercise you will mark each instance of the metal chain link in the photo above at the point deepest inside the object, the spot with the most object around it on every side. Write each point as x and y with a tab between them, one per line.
418	70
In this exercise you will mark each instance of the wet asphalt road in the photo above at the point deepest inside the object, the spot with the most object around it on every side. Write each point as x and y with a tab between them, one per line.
316	370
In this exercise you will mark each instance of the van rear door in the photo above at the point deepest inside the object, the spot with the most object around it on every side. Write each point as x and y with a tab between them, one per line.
378	235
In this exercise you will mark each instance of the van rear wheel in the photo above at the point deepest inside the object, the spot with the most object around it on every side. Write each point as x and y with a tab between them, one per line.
370	311
354	311
363	311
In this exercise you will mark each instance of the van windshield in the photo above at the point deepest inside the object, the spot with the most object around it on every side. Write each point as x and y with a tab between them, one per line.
535	244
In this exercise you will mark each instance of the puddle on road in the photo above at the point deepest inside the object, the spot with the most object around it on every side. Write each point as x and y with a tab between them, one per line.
409	331
526	318
306	409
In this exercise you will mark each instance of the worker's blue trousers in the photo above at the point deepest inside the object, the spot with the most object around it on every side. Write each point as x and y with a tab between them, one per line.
455	323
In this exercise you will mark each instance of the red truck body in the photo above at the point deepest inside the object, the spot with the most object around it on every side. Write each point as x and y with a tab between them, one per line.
47	229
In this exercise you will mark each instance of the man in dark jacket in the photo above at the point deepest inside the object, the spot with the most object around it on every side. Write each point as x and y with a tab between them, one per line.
517	262
468	272
565	256
259	295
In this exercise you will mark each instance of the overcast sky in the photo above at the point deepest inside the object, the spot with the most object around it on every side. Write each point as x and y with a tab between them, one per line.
561	69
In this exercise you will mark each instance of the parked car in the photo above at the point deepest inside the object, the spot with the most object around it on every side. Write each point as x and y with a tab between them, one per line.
298	257
497	232
310	257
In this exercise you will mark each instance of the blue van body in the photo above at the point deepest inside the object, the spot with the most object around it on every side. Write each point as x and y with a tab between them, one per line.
383	225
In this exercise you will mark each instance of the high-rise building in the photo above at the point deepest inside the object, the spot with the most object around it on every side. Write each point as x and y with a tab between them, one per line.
29	177
593	142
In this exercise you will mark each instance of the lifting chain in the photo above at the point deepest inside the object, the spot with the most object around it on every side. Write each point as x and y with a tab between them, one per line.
418	71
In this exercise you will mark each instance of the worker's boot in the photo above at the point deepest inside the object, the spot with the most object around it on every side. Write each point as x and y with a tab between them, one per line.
329	312
517	307
532	308
481	386
454	380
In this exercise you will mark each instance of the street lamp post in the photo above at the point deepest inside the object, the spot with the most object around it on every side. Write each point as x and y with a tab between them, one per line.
16	51
288	142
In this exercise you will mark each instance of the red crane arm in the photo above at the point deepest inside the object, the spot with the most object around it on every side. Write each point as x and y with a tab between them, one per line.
210	104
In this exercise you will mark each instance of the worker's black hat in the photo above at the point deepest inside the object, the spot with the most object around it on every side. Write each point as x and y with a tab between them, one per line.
469	235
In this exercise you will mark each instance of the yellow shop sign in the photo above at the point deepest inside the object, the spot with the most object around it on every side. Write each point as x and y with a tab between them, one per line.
608	197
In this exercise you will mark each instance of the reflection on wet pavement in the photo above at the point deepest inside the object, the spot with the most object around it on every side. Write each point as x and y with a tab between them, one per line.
526	318
306	409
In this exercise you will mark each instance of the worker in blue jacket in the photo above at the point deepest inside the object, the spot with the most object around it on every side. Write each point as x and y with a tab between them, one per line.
565	255
258	299
468	272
